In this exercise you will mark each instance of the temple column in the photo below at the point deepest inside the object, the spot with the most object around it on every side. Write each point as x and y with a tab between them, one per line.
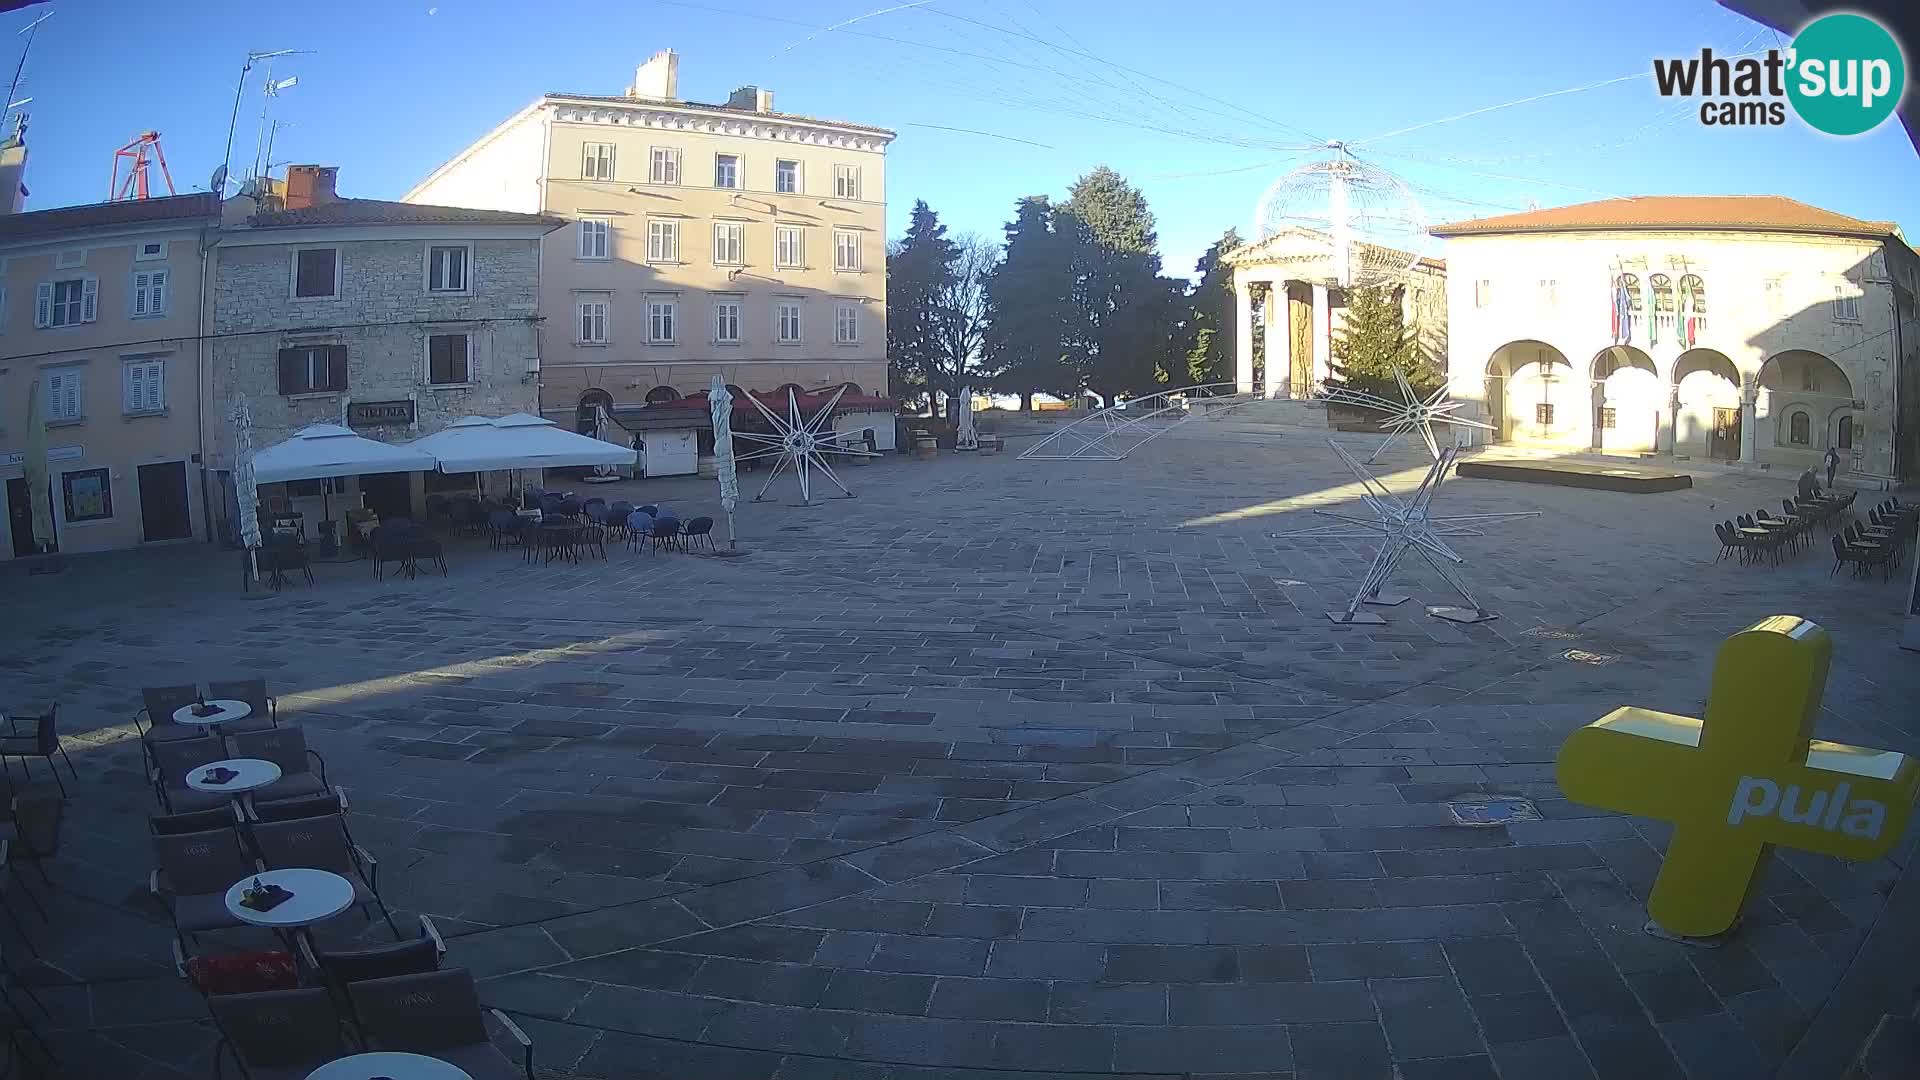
1242	335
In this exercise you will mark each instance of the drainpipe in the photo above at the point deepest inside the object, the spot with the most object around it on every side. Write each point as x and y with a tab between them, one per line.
200	368
1899	362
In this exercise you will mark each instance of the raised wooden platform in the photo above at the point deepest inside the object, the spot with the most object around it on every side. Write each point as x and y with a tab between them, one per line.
1577	474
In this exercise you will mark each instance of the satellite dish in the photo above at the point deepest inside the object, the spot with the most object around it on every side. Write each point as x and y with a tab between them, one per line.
1367	219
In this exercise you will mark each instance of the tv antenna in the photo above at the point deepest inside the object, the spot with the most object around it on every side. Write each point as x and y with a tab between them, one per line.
219	184
19	69
263	138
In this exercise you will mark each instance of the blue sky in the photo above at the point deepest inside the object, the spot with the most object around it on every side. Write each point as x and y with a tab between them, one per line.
1197	103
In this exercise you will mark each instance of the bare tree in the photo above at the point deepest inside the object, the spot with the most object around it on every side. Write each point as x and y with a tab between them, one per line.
961	325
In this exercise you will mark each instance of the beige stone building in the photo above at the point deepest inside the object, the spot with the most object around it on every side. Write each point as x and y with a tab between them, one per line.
1287	293
1750	329
100	305
703	239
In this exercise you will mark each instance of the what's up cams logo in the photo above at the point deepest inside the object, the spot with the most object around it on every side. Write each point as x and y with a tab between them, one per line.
1844	74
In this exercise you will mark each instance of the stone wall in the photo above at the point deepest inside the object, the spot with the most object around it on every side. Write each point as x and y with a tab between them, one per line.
383	315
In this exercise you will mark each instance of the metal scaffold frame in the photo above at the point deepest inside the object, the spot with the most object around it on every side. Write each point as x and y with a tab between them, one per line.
1110	434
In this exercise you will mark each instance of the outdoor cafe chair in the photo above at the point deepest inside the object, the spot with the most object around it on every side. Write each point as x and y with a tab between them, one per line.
32	830
194	873
172	761
287	748
591	538
7	880
277	1034
618	513
1729	544
699	530
437	1013
1863	559
158	704
43	743
387	544
420	544
191	821
263	710
322	844
664	531
341	968
505	528
639	527
649	509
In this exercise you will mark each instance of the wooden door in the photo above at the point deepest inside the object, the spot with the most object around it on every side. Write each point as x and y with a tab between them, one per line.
1724	443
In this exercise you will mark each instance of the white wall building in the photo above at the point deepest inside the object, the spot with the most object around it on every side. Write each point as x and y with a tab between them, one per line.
1742	328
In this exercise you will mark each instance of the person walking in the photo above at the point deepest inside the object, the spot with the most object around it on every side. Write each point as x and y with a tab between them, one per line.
1833	465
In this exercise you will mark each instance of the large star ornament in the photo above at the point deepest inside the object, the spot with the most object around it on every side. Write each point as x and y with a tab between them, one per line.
801	444
1415	414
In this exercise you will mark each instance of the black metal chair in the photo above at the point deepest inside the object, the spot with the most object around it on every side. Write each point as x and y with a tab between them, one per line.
43	743
195	872
699	531
158	704
665	531
265	712
437	1013
172	761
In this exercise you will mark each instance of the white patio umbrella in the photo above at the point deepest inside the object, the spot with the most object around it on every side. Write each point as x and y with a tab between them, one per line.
324	450
33	467
515	441
721	403
246	485
966	438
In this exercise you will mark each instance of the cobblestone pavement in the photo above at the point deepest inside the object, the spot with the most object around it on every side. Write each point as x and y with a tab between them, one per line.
1004	768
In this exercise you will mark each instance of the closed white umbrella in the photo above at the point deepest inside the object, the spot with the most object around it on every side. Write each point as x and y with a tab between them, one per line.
516	441
721	404
246	485
324	450
33	467
966	437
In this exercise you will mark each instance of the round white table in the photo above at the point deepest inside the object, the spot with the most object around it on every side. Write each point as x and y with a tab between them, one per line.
393	1066
227	711
253	773
318	895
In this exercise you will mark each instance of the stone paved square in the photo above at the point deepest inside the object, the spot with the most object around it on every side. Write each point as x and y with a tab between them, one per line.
1003	768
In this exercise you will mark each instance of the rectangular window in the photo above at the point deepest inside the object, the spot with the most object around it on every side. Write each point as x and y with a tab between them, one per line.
88	495
665	166
152	249
1845	308
661	318
313	369
729	243
595	235
447	268
146	386
66	395
1607	419
591	315
69	302
786	322
1877	265
316	273
786	177
449	359
846	250
726	170
789	252
1543	414
663	240
726	322
1483	292
846	181
149	293
596	161
846	324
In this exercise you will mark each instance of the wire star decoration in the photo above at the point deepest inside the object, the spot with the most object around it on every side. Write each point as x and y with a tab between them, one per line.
1414	414
1404	525
801	444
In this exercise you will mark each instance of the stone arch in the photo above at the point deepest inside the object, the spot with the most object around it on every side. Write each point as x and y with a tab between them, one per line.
1627	399
595	396
1846	430
1530	397
1801	382
660	395
1706	388
586	415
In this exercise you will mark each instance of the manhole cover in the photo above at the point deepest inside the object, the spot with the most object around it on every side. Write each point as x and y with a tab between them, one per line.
1287	582
1229	800
1487	810
1551	633
1582	656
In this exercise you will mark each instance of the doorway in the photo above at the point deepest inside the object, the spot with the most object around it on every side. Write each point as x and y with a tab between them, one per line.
20	518
388	495
1725	442
163	502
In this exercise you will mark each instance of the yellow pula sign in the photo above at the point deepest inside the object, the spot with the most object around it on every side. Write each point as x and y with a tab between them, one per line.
1747	777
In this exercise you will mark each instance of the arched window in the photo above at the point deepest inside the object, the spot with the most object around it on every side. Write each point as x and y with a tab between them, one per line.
1693	309
1844	439
1629	310
853	389
781	390
1799	428
586	417
661	394
1663	304
596	396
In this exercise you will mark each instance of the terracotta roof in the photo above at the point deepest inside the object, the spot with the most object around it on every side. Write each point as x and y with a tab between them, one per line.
1754	213
107	215
382	212
744	114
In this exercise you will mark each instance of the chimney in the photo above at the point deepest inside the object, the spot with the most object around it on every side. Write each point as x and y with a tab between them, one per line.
751	99
310	185
658	78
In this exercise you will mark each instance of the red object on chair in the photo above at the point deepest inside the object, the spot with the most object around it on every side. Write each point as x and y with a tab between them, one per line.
243	973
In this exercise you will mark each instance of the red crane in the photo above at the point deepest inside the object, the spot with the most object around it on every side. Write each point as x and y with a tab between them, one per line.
142	151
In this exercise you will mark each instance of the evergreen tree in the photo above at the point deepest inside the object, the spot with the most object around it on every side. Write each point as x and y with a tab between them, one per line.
1026	302
1375	342
1124	316
1210	357
919	271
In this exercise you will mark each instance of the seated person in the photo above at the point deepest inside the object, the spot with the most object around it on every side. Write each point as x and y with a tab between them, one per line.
1807	487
